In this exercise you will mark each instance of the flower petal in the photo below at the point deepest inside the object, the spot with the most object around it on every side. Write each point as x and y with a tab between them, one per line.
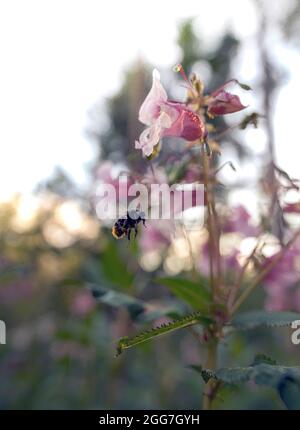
224	103
148	139
188	125
150	109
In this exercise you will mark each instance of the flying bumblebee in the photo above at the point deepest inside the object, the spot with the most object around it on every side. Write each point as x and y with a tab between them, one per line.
126	224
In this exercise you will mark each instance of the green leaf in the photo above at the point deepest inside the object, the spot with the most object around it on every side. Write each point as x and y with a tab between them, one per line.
244	86
176	172
193	293
289	391
186	321
262	358
155	152
229	375
138	310
254	319
114	267
116	299
204	373
261	374
252	118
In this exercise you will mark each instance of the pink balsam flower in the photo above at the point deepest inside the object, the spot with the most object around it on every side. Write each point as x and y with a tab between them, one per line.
166	118
239	221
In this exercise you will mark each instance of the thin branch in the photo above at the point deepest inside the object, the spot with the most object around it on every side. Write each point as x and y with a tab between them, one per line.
260	277
234	290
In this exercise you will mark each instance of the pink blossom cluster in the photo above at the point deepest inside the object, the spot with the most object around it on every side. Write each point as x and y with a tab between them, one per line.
165	118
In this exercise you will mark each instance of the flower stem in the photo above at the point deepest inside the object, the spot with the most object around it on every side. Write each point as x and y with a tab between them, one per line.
207	198
210	391
235	288
211	386
213	228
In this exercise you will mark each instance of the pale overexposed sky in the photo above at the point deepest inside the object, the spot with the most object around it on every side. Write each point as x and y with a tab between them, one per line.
58	57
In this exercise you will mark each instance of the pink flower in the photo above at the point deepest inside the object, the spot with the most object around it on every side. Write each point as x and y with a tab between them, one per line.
282	283
166	118
292	208
285	273
229	262
16	291
83	303
108	173
239	221
221	102
157	235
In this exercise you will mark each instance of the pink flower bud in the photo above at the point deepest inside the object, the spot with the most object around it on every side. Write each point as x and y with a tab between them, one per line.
223	103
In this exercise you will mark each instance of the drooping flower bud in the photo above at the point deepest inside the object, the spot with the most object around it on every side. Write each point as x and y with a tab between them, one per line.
221	102
224	103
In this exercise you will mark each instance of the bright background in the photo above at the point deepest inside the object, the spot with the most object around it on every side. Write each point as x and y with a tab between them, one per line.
59	58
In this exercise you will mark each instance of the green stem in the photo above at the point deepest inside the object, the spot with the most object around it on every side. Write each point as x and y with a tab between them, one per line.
209	392
211	388
207	198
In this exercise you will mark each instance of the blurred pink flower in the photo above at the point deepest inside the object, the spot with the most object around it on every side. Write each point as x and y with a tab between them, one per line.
166	118
4	263
296	299
82	303
222	102
17	291
104	172
282	283
239	221
71	349
106	175
292	208
157	235
191	174
229	263
155	176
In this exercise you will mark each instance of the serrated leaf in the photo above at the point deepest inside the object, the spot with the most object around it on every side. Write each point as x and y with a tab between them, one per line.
289	391
253	319
186	321
233	375
269	375
261	374
204	373
193	293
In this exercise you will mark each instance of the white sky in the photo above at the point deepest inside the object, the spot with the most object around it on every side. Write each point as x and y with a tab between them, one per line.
58	57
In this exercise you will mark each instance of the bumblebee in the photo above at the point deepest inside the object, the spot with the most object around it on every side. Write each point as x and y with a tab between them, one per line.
126	224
